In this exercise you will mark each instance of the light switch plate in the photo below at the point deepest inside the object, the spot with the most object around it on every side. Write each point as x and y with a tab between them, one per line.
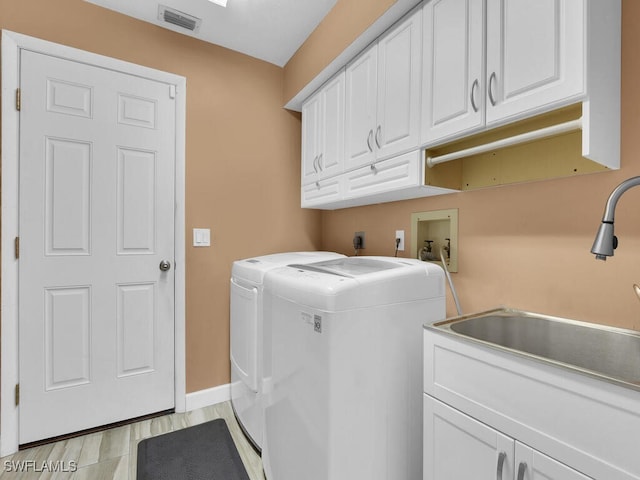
201	237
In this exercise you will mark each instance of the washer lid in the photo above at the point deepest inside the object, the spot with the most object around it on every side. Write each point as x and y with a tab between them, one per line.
351	267
253	269
356	282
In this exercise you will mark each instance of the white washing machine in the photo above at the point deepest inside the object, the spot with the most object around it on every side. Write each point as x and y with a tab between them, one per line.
346	400
249	332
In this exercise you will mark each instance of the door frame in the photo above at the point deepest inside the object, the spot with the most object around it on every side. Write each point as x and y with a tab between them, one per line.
11	45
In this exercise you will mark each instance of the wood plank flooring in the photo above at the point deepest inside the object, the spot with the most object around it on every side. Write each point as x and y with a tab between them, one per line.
112	454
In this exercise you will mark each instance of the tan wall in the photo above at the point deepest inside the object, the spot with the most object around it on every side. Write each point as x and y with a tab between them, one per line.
243	156
527	246
342	25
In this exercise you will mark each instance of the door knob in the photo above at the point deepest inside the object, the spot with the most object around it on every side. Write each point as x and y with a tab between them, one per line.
165	265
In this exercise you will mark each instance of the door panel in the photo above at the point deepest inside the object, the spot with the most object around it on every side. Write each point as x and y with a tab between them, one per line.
533	465
453	69
136	222
96	326
67	324
398	100
360	114
459	447
535	56
332	125
67	196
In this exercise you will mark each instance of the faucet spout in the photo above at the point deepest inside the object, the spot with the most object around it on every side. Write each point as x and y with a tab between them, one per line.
606	242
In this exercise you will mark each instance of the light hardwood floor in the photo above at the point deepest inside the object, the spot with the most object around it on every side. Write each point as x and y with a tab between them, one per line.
112	454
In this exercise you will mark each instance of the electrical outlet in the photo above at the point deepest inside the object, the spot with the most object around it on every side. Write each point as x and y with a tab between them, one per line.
400	235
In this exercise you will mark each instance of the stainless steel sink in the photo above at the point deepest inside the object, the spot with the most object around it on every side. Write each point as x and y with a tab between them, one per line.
607	352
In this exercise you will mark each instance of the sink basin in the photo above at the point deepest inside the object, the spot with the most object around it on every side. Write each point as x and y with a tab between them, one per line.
607	352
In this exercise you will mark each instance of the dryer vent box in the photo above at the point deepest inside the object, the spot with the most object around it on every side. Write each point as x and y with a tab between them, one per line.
436	226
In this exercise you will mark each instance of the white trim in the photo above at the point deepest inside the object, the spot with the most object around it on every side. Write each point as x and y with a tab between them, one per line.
209	396
12	43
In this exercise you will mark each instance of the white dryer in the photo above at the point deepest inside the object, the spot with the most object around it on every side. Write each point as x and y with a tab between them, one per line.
346	401
249	333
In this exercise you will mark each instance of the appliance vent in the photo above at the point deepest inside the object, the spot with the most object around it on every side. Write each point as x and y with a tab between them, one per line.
180	19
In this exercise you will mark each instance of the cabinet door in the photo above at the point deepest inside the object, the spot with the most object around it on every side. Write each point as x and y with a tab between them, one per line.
453	69
321	193
361	91
331	155
311	131
458	447
399	77
535	56
385	176
533	465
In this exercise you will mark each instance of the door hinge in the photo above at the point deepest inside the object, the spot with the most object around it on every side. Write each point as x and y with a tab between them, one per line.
18	99
172	91
16	246
17	394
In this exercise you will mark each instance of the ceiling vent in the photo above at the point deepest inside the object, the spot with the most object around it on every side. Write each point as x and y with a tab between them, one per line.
180	19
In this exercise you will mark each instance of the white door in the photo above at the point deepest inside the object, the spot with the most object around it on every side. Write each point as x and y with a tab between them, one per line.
332	125
458	447
533	465
453	97
96	313
360	113
323	132
535	55
399	74
311	131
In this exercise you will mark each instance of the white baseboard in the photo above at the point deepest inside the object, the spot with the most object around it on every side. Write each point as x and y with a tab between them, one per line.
210	396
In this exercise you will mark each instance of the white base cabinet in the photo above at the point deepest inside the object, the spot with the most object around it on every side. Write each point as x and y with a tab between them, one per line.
563	424
458	447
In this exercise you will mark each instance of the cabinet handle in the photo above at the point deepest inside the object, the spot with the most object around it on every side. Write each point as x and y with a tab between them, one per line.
475	85
315	164
320	163
318	185
492	79
501	458
378	132
369	137
522	469
373	169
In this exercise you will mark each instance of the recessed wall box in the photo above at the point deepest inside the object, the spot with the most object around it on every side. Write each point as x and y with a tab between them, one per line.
439	229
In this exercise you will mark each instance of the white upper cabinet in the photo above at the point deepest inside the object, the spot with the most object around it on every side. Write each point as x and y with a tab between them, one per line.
454	85
383	96
360	114
311	139
323	132
535	55
455	68
533	61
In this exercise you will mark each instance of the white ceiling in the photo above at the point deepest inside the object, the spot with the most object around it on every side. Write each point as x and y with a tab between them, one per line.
271	30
